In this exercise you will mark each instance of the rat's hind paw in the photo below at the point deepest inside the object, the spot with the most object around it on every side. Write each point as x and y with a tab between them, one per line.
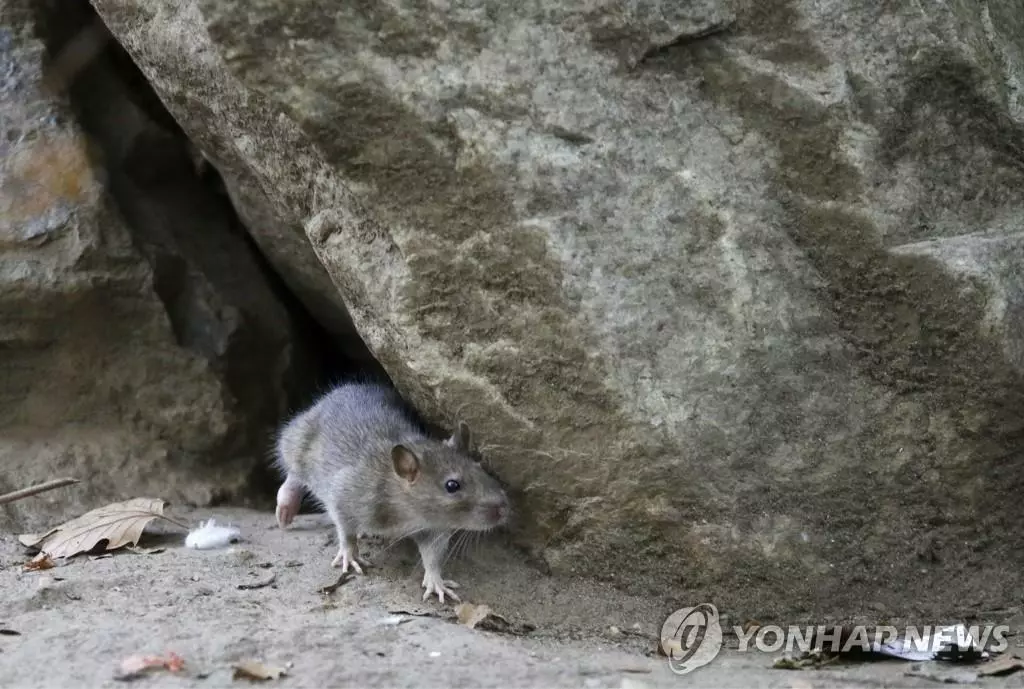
440	587
347	560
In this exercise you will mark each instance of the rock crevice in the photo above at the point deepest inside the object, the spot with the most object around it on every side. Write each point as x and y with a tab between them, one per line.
736	321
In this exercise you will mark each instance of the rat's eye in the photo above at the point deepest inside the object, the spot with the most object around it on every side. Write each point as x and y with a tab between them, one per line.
451	485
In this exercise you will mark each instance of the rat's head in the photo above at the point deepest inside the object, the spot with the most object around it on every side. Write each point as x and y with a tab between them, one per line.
446	487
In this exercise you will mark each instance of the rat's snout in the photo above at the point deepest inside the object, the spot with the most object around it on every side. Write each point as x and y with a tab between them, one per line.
497	512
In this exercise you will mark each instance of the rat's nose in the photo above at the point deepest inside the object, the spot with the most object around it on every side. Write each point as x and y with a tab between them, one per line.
497	512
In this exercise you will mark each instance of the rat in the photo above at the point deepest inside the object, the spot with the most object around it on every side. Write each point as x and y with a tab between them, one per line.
363	457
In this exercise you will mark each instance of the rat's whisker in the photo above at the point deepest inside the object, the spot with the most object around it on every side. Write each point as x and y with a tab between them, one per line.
473	541
442	536
451	547
456	551
397	539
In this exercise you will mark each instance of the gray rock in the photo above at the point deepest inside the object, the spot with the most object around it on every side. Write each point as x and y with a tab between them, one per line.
728	292
142	348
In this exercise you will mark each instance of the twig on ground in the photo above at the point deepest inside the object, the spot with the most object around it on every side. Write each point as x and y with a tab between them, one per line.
36	489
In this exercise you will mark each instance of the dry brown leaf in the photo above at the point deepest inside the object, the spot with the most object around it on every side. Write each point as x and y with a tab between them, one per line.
471	615
482	617
415	612
174	662
255	670
119	524
1003	665
38	563
147	551
133	666
136	665
267	581
31	540
331	588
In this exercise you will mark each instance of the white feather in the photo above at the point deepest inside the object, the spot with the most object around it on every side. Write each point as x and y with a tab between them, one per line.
210	535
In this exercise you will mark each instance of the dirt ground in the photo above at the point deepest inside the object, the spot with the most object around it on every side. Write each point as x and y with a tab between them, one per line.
77	621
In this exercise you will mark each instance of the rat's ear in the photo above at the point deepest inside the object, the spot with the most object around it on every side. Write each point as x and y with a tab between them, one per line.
461	438
406	463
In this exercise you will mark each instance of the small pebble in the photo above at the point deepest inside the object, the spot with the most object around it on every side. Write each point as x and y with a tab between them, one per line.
435	654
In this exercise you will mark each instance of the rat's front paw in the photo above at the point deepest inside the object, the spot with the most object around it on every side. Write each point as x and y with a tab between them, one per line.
347	560
435	585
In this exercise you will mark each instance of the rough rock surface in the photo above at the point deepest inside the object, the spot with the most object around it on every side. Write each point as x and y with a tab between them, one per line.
730	293
137	362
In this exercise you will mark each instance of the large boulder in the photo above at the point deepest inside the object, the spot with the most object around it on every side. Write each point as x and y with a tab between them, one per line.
729	293
143	349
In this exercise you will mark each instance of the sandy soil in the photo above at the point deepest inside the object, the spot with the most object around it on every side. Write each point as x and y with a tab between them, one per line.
79	620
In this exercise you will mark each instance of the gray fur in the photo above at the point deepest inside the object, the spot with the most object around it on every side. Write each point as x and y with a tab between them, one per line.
341	450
